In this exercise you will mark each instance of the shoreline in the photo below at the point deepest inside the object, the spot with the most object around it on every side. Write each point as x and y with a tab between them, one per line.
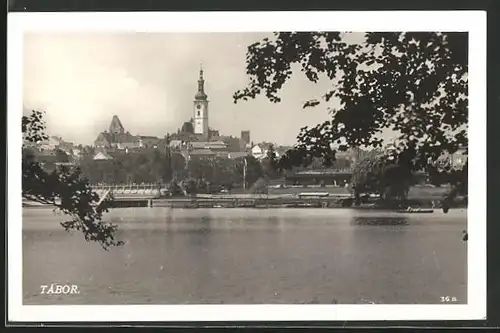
255	203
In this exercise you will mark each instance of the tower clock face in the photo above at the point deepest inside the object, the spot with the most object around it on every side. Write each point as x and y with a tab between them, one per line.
198	106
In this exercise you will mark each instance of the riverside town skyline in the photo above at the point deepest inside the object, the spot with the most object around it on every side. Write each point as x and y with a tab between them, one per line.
82	80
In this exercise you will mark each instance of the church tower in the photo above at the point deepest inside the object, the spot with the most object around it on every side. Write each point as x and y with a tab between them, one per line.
116	126
201	108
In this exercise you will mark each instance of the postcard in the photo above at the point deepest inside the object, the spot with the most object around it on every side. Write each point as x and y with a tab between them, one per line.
246	166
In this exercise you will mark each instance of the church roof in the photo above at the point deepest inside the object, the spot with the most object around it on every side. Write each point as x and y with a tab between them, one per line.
187	127
116	125
102	155
200	95
119	137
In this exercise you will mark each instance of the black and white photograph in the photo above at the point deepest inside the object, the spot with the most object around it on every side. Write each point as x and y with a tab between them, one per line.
247	166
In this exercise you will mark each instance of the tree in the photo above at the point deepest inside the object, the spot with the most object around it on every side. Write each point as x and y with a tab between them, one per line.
254	169
65	189
259	187
190	185
178	164
174	188
414	83
215	170
61	156
270	165
376	173
146	165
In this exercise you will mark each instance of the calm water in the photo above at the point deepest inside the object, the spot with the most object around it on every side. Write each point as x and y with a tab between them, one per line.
242	256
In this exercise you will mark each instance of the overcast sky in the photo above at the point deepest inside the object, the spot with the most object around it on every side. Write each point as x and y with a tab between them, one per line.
149	81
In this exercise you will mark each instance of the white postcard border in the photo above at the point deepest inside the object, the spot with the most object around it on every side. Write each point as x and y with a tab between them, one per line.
472	21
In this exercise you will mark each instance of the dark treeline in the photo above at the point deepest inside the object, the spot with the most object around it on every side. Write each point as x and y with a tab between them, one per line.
156	166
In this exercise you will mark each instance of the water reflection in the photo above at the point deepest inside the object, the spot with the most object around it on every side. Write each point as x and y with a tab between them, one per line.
249	256
380	220
204	225
273	223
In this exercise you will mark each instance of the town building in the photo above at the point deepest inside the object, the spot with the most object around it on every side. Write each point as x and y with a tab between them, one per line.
459	158
102	156
119	139
260	150
197	129
52	143
176	145
245	137
201	153
116	137
213	133
456	160
200	105
194	137
239	154
151	142
211	145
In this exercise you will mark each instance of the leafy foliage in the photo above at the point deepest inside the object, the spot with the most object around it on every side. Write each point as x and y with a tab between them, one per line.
65	189
61	156
174	188
414	83
260	186
194	186
144	166
33	127
376	173
254	169
271	167
223	171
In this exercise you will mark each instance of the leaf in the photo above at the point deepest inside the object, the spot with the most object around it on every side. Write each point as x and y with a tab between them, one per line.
408	82
310	103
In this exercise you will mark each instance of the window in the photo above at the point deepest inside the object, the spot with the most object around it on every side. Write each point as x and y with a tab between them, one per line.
198	113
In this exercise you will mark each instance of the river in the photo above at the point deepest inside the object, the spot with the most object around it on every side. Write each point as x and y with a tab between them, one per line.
250	256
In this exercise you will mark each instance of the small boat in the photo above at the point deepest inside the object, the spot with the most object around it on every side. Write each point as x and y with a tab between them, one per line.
414	211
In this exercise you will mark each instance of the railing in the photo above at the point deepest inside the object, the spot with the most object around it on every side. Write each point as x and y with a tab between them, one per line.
324	172
129	189
125	186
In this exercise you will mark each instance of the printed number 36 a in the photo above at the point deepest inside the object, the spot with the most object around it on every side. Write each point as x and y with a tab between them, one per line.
446	299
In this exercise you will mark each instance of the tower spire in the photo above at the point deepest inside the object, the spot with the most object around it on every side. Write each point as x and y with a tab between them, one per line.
201	108
200	95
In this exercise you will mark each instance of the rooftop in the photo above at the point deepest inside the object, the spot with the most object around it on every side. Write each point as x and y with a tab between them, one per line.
208	145
234	155
202	152
119	137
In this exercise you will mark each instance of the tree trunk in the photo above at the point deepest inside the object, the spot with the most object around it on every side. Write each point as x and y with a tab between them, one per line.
357	198
449	197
